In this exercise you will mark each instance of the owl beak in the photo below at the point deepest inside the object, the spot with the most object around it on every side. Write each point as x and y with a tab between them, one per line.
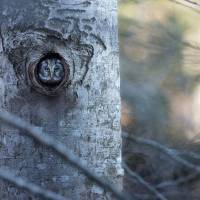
51	73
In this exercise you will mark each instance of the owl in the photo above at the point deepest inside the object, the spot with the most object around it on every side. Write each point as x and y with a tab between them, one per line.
50	71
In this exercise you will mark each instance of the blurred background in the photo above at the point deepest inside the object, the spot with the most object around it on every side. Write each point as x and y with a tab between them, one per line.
160	90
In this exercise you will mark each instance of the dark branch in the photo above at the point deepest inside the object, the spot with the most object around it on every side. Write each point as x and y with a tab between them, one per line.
192	2
144	183
34	189
169	152
182	180
189	4
59	149
174	154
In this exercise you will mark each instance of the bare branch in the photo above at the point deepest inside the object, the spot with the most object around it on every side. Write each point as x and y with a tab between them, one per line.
192	2
179	181
189	4
170	152
61	150
176	156
23	184
143	182
190	154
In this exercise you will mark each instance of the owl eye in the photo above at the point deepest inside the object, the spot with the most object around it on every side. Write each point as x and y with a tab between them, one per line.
43	65
46	69
57	68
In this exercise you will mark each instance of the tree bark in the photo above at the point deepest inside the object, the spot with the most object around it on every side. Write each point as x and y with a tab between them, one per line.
84	114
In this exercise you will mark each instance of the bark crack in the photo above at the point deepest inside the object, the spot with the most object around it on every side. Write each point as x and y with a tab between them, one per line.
2	41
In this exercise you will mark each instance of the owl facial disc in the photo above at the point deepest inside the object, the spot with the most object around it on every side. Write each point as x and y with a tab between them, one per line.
50	71
49	74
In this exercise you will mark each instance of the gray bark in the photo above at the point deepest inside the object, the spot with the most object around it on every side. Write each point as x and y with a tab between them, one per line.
85	114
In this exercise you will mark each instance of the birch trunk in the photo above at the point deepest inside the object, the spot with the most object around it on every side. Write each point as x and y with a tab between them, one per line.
85	114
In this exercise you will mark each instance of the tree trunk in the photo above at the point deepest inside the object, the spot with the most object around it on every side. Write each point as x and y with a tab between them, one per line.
82	110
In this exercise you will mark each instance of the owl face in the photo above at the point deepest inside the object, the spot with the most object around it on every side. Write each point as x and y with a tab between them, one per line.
51	71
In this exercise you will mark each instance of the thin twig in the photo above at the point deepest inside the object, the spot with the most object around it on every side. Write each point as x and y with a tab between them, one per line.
189	2
178	182
190	154
185	3
143	182
59	149
173	154
23	184
192	2
170	152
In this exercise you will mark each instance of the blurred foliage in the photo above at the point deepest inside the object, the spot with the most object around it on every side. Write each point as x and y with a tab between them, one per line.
158	41
160	83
